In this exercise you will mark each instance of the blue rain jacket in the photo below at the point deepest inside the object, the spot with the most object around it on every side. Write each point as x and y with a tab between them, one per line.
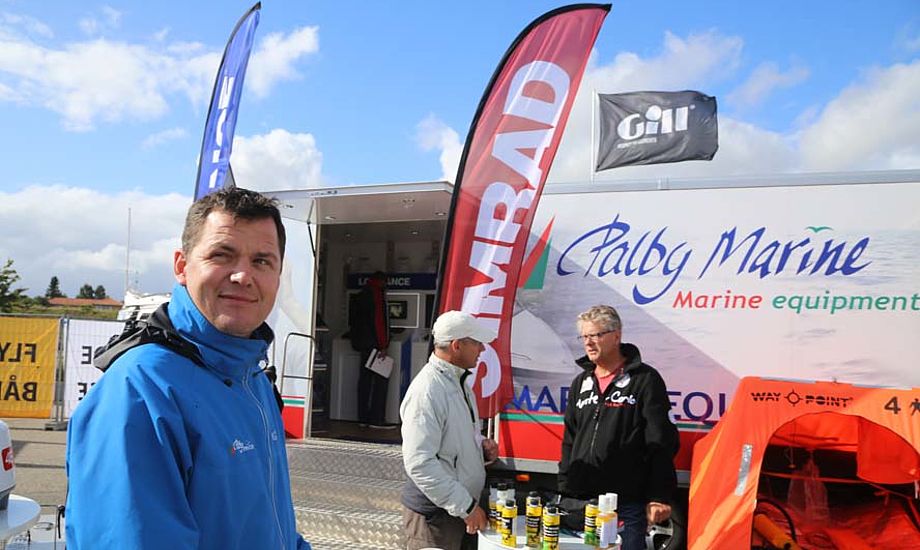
164	453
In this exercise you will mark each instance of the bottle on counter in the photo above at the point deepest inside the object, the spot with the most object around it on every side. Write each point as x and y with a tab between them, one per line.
591	511
501	497
493	499
534	513
509	516
550	528
607	521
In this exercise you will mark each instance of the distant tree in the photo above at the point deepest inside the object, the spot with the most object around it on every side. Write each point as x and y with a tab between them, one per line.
86	291
99	293
9	296
54	289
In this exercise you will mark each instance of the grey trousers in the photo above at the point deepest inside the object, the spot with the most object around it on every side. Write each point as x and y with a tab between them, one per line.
442	530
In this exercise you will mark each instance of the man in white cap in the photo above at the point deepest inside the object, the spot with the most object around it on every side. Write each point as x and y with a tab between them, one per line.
443	449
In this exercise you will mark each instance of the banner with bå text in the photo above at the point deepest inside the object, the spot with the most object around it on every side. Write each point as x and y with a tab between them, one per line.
28	353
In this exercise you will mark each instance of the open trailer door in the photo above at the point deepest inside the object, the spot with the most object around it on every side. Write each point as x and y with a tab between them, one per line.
336	236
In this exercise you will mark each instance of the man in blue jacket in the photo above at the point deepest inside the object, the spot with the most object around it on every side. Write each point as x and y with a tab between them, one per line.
180	444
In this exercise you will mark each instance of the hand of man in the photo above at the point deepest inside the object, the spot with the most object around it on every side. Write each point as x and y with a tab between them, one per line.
657	512
476	521
489	450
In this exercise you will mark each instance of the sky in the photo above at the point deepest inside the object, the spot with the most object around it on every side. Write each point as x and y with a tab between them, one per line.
103	105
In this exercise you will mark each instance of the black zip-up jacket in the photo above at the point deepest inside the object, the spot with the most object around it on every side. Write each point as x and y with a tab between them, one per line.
622	441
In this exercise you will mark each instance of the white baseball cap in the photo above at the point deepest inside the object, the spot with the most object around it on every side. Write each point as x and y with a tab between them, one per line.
454	325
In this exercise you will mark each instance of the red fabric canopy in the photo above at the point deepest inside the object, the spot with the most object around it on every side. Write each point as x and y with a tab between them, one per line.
881	425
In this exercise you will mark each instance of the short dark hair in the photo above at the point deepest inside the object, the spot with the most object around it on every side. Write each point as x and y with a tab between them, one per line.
242	204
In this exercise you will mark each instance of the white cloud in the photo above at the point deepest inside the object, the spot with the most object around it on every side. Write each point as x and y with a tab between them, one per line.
88	25
80	235
159	138
683	63
273	60
912	44
11	23
101	80
433	134
696	61
92	25
277	160
766	78
111	15
872	124
161	34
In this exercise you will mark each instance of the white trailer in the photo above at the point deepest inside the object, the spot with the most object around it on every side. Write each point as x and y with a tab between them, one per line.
811	276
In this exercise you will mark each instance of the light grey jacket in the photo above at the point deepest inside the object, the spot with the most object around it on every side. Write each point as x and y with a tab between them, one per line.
442	449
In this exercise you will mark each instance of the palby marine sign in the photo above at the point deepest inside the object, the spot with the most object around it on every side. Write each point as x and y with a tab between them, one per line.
508	153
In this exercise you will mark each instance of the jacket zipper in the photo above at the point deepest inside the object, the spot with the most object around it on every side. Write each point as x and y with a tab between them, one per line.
597	413
271	458
465	398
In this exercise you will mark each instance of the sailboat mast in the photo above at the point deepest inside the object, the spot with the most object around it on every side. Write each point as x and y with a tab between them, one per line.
128	253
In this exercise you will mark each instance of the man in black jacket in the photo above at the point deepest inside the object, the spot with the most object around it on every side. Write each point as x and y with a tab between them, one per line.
618	434
370	331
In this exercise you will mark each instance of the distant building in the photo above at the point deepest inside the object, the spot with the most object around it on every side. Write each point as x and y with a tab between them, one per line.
104	304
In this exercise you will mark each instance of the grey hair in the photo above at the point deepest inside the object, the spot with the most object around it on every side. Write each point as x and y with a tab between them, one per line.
442	345
602	315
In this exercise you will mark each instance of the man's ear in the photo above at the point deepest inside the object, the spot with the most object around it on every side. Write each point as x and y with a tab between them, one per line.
179	265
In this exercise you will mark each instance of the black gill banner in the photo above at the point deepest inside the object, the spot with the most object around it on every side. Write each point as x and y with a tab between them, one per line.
656	128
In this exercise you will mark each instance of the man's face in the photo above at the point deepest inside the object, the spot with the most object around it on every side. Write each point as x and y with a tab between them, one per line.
233	271
601	346
468	353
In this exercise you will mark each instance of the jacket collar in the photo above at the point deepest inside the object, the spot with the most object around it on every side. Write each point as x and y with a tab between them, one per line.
229	355
447	368
629	352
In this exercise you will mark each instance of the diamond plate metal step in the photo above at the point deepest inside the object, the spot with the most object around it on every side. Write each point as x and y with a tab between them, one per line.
347	525
332	544
369	460
317	489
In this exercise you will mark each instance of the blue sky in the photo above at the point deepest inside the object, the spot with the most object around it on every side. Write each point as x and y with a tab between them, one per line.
104	104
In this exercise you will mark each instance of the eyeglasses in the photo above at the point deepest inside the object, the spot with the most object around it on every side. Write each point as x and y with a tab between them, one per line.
593	337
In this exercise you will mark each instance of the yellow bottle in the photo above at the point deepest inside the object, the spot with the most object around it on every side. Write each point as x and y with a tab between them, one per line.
532	522
493	511
550	528
591	511
499	504
509	515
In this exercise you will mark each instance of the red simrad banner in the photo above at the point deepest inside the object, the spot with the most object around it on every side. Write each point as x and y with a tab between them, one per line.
509	150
